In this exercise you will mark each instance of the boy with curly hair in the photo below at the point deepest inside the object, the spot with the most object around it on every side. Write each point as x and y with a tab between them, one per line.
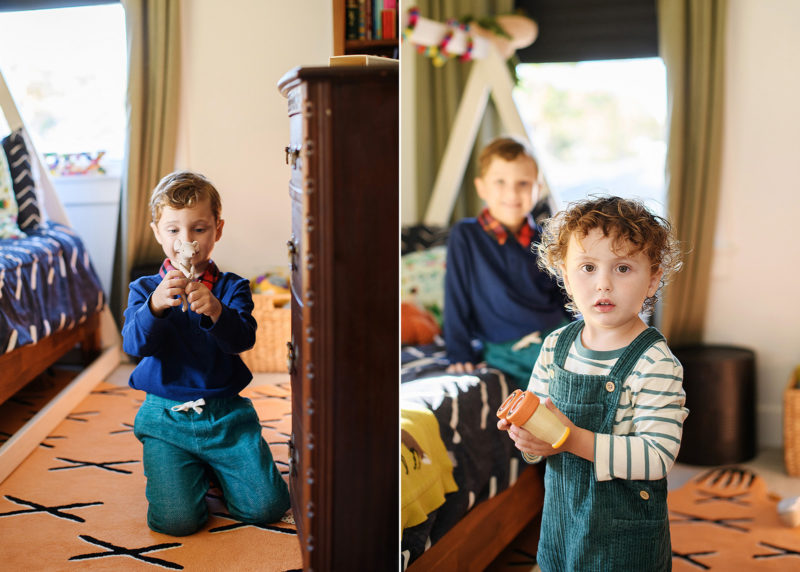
614	382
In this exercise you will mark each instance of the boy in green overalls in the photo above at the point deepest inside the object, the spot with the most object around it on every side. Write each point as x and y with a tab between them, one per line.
614	382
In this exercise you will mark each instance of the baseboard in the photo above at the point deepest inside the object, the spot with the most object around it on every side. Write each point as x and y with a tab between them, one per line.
769	425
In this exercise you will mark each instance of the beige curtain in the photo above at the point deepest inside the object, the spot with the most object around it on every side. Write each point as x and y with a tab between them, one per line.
153	34
437	96
692	45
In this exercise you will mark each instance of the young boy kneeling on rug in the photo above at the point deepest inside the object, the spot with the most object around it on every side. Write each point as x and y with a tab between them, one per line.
614	382
193	416
495	293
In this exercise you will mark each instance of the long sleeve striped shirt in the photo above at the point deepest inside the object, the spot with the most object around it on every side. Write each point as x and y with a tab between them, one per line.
648	424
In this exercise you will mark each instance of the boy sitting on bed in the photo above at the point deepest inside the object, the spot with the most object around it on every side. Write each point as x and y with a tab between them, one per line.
193	416
498	305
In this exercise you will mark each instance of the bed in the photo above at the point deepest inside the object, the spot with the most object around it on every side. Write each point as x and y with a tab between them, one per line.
465	491
51	299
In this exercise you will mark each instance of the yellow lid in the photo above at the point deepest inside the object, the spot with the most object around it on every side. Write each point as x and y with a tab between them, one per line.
561	440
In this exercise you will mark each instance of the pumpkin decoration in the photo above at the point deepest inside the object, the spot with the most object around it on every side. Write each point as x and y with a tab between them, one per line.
417	325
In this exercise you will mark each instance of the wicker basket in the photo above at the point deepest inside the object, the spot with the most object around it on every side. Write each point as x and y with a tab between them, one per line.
791	425
274	330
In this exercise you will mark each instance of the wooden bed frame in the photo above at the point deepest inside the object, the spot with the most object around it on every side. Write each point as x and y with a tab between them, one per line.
488	528
23	364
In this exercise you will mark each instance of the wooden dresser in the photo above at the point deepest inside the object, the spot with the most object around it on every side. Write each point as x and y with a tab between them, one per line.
344	352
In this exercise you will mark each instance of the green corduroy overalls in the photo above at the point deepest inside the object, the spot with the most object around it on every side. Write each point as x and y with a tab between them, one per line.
616	525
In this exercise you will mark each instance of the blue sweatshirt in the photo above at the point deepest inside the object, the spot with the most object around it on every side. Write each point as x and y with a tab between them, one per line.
494	292
185	356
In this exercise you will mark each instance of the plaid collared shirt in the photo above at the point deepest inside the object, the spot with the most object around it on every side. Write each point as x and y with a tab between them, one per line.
500	233
209	277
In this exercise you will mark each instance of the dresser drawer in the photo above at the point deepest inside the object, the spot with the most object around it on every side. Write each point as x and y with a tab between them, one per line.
296	242
296	151
343	138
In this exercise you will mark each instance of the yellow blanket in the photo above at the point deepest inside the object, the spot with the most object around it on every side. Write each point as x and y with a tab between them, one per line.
426	471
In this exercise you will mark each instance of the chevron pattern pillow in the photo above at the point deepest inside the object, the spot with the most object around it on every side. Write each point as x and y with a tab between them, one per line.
8	204
19	163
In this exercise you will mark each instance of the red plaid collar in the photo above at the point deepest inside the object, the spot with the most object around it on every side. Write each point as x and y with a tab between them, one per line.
209	277
496	230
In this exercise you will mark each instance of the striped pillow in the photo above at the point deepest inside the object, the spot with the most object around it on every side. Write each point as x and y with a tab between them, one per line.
8	204
19	163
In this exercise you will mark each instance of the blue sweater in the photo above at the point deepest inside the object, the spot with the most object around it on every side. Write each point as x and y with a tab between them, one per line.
185	355
494	293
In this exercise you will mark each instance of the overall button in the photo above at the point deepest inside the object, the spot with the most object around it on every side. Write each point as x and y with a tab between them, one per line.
644	494
551	373
610	386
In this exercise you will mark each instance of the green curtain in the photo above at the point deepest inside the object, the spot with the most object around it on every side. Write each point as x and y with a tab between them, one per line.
153	33
438	92
692	45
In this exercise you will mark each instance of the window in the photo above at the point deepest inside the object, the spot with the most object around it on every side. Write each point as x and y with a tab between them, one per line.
598	127
67	71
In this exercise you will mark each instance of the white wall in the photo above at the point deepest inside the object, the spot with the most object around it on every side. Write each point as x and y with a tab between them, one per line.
755	290
234	123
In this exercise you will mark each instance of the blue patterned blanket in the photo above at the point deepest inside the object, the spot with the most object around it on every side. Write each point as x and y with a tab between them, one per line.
485	461
47	284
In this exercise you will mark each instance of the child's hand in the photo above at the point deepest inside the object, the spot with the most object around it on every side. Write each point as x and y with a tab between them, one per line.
202	301
167	293
525	441
465	367
503	424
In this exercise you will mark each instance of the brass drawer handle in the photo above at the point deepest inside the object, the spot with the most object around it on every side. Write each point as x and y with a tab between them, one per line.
292	155
292	246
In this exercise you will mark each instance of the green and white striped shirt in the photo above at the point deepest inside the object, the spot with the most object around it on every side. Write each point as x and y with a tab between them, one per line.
648	425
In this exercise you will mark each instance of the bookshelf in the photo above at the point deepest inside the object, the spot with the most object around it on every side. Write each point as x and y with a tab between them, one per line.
366	44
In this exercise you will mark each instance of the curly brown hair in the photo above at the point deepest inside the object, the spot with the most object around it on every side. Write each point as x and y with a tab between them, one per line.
183	189
632	227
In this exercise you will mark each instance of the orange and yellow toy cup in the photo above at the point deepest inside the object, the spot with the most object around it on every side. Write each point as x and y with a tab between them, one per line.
503	411
524	411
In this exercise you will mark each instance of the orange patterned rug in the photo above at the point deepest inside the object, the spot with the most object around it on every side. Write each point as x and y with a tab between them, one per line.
725	519
78	500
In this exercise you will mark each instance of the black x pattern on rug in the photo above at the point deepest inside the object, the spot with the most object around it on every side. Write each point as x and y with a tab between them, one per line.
238	524
738	499
780	551
689	557
106	465
723	522
135	553
56	511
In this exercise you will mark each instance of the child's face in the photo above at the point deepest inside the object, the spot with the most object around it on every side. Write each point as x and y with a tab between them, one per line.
509	189
189	224
608	287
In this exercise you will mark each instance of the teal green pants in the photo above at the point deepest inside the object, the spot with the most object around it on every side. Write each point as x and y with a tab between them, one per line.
517	365
179	445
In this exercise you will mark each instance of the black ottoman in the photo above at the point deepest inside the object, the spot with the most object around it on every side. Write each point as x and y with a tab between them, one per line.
720	393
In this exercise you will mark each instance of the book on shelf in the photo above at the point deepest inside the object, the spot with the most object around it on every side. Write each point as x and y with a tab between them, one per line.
371	19
351	20
362	60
